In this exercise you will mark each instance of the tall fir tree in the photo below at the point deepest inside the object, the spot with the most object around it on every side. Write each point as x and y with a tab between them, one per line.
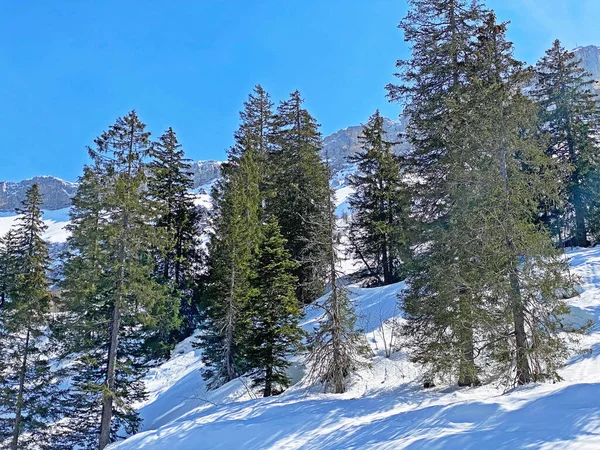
169	185
112	302
380	203
301	194
236	233
274	333
30	398
441	34
570	116
493	267
528	275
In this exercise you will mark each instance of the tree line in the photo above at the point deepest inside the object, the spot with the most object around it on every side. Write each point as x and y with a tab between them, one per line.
502	174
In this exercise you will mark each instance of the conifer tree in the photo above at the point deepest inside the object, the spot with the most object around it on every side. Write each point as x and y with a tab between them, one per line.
8	268
233	245
527	275
301	195
570	116
111	299
492	255
274	333
441	36
336	346
169	185
378	231
30	399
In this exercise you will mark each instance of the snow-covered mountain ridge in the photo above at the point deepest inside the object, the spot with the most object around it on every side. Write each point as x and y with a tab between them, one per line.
385	406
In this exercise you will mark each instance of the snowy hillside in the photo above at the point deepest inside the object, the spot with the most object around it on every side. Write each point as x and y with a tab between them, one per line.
55	220
385	407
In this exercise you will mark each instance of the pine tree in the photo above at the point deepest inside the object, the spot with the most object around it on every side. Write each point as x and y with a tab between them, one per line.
169	185
379	227
570	116
233	246
111	300
441	36
301	192
275	333
30	399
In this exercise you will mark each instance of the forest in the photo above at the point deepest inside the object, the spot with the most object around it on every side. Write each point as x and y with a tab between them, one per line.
502	175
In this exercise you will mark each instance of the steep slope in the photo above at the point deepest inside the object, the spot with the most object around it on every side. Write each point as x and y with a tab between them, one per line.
57	193
590	61
385	407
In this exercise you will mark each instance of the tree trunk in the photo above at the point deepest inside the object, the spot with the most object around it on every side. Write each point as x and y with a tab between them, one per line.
229	330
518	309
522	363
18	413
580	238
467	372
108	393
268	381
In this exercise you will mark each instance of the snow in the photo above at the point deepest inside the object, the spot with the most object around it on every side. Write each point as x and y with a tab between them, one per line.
55	220
385	406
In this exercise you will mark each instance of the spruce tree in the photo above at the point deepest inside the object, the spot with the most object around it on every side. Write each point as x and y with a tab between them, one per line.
523	272
441	36
570	117
111	299
379	227
236	233
169	185
299	199
274	333
30	398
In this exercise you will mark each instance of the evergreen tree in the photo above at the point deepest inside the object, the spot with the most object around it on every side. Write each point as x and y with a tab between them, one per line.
233	245
379	204
336	346
528	275
441	36
111	300
493	267
169	185
30	399
301	193
570	116
275	333
8	268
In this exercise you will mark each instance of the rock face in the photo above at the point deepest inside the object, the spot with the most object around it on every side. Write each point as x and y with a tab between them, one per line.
590	61
57	193
346	142
206	172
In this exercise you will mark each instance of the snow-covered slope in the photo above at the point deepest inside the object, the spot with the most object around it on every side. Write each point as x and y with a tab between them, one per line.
56	221
385	407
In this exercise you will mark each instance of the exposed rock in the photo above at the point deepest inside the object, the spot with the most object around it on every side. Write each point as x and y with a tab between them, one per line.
57	193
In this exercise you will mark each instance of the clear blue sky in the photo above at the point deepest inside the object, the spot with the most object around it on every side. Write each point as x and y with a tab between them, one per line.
68	68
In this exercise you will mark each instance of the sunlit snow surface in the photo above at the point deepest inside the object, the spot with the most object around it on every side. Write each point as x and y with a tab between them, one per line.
55	220
385	407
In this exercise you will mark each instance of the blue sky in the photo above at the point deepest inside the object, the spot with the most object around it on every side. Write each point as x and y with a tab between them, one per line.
68	68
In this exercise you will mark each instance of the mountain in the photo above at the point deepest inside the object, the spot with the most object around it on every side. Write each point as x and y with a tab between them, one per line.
344	143
57	193
336	147
590	61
